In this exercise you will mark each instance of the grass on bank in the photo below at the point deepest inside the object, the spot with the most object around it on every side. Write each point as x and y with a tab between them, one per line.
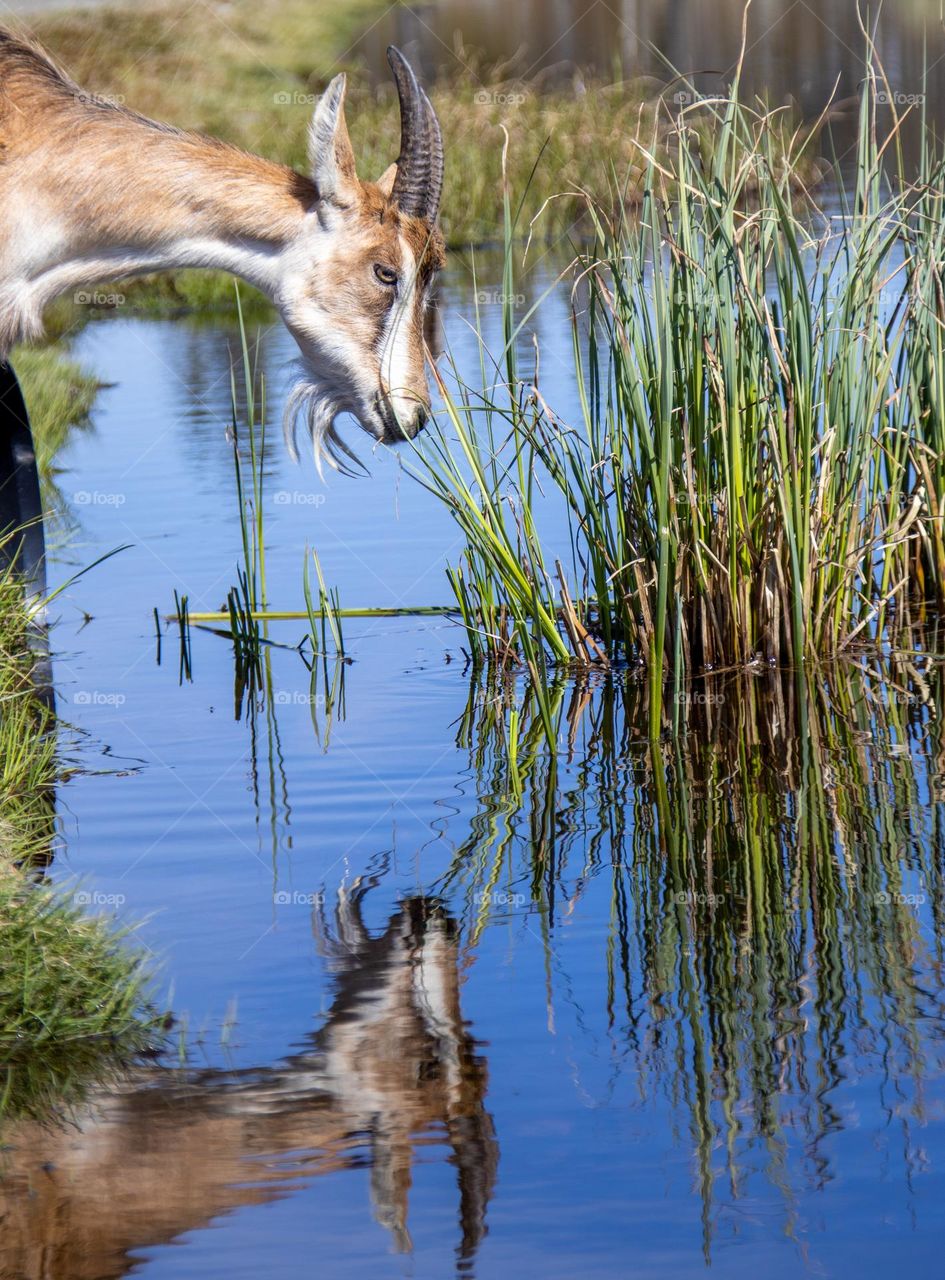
760	469
74	1003
74	1000
27	745
59	395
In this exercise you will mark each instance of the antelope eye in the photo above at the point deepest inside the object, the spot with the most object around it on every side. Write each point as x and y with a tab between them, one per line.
385	275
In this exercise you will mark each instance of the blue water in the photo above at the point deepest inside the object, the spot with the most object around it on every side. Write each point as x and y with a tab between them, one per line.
642	1084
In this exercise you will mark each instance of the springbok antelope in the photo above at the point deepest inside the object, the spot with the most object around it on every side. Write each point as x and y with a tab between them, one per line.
90	190
393	1067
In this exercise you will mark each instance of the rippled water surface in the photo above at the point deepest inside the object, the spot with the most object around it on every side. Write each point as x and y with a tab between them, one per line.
622	1011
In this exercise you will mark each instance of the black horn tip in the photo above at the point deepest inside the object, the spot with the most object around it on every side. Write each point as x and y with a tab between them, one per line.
397	61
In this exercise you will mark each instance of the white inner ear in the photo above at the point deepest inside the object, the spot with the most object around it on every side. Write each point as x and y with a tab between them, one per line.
326	136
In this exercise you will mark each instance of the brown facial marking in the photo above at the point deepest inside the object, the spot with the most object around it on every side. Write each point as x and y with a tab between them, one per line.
347	291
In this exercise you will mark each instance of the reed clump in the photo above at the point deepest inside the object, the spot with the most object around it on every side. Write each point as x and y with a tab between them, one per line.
759	473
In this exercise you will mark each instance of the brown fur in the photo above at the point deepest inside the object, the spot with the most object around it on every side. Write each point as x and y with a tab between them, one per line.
40	108
92	191
39	105
355	302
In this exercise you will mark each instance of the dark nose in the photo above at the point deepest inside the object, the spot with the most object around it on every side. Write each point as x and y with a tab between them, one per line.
410	427
406	424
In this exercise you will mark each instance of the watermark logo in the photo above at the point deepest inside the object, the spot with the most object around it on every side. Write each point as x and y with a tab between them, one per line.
900	899
99	99
904	696
687	898
294	98
296	698
689	97
896	98
298	498
496	298
96	698
500	98
293	898
93	898
501	898
97	298
95	498
700	697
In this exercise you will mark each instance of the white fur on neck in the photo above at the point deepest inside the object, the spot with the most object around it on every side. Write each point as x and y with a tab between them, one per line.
258	264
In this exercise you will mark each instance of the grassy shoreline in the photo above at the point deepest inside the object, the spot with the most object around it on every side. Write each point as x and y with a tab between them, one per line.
74	1000
59	392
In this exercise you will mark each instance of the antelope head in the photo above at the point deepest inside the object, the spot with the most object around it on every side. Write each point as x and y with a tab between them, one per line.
92	191
358	276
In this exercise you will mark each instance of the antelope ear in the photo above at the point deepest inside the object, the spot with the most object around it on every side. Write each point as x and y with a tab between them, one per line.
329	147
385	183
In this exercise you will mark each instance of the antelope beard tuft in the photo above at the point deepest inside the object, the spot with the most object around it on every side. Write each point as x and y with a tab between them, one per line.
316	405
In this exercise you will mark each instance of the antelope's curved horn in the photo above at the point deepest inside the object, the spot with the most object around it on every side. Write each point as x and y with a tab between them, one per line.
419	182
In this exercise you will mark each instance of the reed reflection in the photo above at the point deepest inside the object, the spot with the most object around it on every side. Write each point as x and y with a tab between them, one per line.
393	1068
775	878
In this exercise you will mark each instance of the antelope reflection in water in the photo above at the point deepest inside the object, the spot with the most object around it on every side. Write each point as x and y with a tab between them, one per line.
393	1064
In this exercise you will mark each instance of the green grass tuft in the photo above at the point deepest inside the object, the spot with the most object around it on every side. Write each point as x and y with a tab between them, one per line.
74	1003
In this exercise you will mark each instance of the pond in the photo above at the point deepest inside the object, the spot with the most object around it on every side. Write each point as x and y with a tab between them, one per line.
804	54
621	1011
797	50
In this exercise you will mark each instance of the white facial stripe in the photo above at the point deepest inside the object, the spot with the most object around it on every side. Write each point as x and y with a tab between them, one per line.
396	340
